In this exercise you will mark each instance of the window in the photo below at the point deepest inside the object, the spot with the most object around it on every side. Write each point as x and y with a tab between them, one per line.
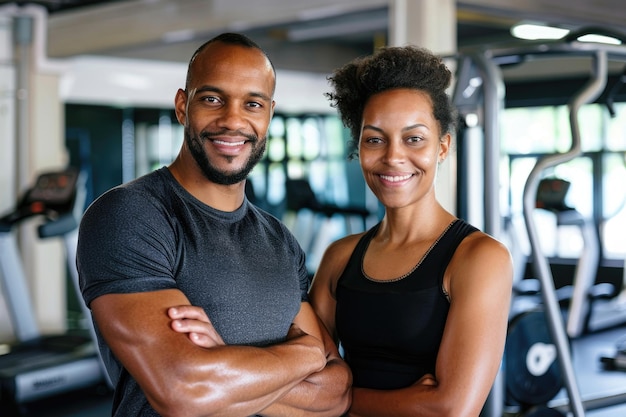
597	190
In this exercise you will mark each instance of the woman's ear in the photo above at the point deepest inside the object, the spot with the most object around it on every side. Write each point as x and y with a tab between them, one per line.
444	147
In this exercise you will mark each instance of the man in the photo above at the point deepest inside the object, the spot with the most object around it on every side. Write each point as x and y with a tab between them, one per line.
186	235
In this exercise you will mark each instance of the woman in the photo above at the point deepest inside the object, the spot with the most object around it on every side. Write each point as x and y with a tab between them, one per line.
420	302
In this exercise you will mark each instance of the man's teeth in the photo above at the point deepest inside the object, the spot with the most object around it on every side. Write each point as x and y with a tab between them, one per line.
396	178
221	142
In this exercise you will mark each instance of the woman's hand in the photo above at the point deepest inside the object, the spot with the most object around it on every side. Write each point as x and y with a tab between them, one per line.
194	321
427	380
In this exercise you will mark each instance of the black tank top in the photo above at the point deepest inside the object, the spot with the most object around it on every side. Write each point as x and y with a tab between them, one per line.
390	331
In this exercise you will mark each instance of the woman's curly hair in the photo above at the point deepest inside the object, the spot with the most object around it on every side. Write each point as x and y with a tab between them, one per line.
390	68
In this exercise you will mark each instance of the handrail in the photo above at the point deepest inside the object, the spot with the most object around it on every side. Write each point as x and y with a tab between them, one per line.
589	93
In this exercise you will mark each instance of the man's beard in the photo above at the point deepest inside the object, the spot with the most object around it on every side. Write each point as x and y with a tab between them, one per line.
195	144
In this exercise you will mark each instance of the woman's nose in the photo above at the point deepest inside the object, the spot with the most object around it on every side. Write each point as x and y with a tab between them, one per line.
394	152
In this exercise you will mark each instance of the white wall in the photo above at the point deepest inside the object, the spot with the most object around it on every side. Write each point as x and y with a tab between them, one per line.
142	83
132	83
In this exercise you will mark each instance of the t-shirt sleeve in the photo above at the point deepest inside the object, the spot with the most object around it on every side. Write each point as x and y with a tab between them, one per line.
303	273
126	244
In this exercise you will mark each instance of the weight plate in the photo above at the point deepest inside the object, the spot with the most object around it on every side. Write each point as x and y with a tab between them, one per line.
532	371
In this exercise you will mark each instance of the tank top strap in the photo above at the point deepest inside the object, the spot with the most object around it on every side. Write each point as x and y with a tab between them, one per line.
352	271
441	253
443	250
430	268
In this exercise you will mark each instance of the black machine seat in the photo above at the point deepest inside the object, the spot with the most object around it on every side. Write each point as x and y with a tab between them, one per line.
551	194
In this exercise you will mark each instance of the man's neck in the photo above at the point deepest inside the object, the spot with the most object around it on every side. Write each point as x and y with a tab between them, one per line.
221	197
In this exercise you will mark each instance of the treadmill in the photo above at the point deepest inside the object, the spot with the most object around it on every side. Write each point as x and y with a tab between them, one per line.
37	366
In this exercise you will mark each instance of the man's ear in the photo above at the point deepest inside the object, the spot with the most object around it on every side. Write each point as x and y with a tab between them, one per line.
180	106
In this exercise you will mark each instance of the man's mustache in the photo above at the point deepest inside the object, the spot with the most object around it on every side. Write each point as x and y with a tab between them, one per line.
204	135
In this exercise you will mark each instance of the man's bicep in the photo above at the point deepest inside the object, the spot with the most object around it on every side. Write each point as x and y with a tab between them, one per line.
137	329
307	320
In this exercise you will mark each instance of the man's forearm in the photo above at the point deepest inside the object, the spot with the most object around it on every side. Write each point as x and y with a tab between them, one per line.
325	393
251	383
230	380
295	383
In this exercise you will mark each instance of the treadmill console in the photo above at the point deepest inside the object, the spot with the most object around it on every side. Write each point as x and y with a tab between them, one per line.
54	190
52	194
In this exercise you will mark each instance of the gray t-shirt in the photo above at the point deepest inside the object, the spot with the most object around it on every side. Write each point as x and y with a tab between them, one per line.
244	267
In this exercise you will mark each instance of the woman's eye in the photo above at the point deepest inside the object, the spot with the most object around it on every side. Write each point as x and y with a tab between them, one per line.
414	139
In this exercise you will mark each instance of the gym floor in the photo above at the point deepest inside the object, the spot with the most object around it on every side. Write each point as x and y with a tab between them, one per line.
94	404
90	402
591	378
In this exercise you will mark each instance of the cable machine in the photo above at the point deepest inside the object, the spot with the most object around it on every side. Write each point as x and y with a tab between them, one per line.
479	96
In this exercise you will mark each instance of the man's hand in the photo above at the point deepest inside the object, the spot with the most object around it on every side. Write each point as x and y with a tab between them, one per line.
194	321
296	332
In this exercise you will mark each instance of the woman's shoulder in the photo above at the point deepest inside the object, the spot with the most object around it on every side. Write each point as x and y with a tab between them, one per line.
482	254
345	246
480	243
337	255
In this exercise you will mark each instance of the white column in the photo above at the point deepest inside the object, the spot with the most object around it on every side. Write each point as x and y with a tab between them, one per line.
7	113
430	24
48	153
40	146
427	23
7	141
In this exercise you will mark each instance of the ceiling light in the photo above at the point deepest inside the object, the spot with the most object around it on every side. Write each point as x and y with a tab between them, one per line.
599	39
339	28
132	81
175	36
532	31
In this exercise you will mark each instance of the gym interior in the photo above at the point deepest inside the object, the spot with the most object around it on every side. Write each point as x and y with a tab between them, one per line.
539	161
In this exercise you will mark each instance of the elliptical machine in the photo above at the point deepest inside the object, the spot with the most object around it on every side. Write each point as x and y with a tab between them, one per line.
37	366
